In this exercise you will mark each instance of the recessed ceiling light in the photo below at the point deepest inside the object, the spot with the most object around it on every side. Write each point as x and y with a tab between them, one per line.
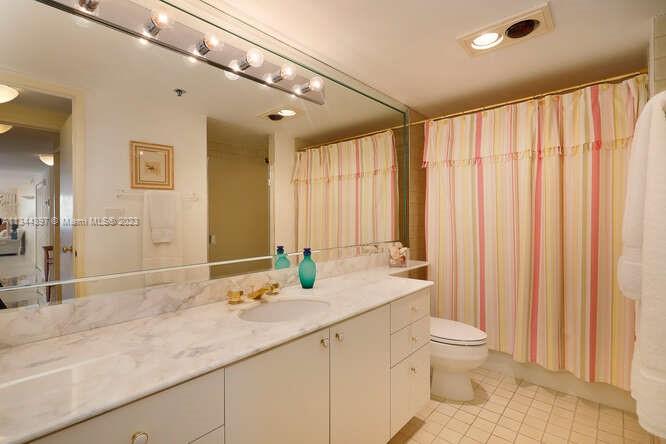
7	93
487	40
4	128
287	112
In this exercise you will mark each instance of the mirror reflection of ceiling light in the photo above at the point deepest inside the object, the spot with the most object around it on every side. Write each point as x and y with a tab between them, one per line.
7	93
4	128
487	40
253	57
89	6
158	21
208	44
287	72
287	112
315	84
47	159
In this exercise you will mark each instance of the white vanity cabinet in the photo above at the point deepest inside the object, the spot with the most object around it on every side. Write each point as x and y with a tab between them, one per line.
331	386
358	381
280	396
191	412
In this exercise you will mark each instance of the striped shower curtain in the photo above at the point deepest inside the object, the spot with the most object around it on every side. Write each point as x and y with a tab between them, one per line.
523	226
347	193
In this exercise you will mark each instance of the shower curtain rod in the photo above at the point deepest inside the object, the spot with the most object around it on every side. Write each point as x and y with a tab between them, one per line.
485	108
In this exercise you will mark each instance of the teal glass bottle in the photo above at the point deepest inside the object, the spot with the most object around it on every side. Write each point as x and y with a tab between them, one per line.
281	259
307	270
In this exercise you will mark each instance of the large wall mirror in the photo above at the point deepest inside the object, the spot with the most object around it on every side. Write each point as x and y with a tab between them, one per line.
134	136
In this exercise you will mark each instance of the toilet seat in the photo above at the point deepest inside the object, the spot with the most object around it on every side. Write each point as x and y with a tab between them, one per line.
446	331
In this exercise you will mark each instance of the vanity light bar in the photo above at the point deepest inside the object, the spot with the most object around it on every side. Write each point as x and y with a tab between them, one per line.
161	30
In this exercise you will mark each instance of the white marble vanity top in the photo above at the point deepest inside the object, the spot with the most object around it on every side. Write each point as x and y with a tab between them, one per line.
48	385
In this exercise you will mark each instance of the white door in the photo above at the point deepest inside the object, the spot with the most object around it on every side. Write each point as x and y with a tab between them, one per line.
360	378
280	396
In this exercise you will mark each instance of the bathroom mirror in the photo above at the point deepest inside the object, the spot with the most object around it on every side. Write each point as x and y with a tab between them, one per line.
134	136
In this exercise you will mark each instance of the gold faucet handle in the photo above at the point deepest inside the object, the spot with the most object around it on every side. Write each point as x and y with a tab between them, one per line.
275	287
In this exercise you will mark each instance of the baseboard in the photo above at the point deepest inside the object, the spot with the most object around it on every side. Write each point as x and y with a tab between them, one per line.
562	381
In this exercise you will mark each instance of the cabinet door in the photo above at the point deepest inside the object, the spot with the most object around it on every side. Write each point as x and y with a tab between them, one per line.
419	387
401	410
280	396
360	362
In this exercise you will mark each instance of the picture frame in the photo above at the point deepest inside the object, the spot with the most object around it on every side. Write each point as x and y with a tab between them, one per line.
151	166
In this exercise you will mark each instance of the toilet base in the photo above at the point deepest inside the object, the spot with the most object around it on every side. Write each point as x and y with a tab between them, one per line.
456	386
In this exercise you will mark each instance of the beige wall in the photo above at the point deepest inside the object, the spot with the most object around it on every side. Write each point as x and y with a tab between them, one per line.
283	158
238	206
658	55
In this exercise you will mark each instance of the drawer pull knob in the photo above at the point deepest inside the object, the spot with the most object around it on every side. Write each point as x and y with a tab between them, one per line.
340	337
140	438
415	339
324	342
414	308
413	370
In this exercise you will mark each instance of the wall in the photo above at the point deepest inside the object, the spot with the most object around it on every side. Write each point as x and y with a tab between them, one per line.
658	55
283	159
239	217
112	120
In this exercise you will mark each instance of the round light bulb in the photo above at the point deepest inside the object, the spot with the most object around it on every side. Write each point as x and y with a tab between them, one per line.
254	57
7	93
297	90
212	42
487	40
316	83
4	128
287	112
287	72
268	78
160	19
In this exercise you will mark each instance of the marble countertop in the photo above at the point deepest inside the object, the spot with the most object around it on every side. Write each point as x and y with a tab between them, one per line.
48	385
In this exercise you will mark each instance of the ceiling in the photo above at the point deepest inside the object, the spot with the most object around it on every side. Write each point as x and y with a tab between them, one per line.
409	51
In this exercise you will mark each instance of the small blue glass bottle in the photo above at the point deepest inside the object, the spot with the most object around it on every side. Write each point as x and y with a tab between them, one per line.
307	269
281	259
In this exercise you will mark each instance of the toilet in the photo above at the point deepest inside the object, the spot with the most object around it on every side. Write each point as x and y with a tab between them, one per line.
455	349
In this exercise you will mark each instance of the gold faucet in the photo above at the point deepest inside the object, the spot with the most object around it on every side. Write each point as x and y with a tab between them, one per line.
269	288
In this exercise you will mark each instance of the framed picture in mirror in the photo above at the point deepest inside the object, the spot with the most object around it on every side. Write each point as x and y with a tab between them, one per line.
151	166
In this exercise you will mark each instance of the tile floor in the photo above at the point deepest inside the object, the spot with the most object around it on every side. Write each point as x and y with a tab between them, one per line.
507	410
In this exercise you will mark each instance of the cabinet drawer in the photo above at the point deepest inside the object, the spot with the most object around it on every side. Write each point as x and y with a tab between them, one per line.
401	345
409	339
408	309
177	415
420	333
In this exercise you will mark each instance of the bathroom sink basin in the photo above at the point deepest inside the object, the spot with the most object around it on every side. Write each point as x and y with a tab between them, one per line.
279	311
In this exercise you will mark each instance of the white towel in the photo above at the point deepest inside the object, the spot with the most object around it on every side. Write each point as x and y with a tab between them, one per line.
162	214
629	264
162	254
644	255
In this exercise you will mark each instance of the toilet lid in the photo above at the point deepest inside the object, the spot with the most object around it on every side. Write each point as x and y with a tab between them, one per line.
451	332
